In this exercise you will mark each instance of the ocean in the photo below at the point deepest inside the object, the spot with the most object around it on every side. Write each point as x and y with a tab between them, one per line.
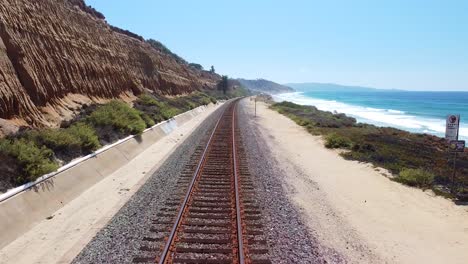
421	112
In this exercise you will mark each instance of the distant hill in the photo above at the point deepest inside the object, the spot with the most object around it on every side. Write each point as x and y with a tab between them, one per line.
265	86
330	86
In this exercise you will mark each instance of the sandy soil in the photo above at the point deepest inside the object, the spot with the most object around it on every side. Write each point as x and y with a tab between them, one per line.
61	238
352	208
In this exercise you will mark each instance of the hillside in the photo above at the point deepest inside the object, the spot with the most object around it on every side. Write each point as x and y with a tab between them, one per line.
265	86
58	55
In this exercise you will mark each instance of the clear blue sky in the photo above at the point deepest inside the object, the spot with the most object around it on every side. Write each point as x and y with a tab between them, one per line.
405	44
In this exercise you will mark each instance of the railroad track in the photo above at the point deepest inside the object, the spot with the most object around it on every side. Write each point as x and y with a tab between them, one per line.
212	216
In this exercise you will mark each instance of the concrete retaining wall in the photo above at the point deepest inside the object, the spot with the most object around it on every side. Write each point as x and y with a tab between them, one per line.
28	205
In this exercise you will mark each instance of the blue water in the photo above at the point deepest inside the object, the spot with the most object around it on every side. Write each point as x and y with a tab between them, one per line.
422	112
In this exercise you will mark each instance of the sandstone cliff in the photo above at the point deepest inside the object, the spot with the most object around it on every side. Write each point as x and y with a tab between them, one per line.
56	55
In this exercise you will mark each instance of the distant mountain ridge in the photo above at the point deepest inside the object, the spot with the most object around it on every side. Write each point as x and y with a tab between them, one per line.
265	86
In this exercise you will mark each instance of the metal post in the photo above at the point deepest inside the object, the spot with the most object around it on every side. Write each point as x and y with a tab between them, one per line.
255	106
454	173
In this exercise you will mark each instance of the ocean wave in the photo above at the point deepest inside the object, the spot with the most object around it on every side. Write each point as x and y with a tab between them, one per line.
380	117
396	111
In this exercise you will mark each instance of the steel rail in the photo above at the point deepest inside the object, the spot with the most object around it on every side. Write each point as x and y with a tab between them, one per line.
196	174
237	190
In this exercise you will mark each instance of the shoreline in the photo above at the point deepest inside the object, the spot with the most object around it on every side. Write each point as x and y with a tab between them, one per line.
423	120
351	208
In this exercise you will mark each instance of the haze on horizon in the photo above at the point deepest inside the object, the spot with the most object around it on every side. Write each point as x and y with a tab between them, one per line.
412	45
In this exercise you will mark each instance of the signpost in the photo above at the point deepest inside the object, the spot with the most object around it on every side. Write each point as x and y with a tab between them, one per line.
451	129
455	145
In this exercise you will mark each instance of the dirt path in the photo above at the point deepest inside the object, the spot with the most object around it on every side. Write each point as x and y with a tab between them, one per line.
353	209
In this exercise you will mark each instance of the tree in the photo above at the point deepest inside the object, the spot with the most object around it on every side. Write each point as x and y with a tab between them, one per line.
223	85
212	70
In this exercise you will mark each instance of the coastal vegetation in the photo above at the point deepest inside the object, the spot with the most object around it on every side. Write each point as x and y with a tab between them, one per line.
117	115
418	160
32	153
416	177
31	160
162	48
66	143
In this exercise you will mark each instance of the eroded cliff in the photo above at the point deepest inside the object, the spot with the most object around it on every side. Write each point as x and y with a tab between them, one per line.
56	55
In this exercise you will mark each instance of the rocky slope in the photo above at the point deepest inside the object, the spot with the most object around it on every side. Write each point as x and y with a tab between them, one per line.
265	86
57	55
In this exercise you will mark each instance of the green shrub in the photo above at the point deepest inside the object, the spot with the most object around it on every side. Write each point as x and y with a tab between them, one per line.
118	115
206	99
148	100
334	140
416	177
301	121
148	120
158	110
87	136
168	111
77	138
55	139
35	161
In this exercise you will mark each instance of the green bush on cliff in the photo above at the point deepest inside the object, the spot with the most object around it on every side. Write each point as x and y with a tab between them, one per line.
334	140
55	139
79	137
146	99
416	177
157	110
87	136
118	115
161	47
34	161
163	108
148	120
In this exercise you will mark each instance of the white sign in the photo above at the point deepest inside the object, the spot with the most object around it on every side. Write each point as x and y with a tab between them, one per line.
451	130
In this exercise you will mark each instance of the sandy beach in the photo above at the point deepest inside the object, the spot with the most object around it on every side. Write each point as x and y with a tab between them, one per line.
354	209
